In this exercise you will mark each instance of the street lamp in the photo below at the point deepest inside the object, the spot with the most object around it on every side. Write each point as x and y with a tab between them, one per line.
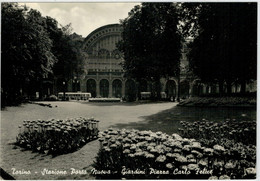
63	90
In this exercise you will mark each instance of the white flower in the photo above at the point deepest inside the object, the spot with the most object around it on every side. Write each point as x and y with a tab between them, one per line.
202	163
107	149
113	146
208	151
161	158
186	148
224	177
230	165
158	133
251	171
181	159
133	147
131	155
213	178
219	148
126	151
193	166
149	155
176	136
195	145
218	164
169	166
127	145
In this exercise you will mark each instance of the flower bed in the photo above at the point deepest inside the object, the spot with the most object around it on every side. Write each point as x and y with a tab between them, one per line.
134	154
56	136
219	101
239	131
104	99
239	138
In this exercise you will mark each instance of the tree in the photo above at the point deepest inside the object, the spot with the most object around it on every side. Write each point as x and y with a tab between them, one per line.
151	42
67	48
26	50
224	46
70	64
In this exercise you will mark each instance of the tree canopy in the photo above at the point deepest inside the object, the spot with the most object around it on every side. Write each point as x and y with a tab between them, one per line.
151	41
34	48
225	41
26	48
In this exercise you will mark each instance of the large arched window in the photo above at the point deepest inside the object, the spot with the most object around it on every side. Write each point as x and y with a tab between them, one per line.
103	53
116	54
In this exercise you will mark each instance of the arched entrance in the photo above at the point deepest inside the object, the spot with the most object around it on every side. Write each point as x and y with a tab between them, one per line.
170	89
117	88
91	87
104	88
130	90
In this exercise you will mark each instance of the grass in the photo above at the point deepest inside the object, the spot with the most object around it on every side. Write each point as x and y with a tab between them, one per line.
168	121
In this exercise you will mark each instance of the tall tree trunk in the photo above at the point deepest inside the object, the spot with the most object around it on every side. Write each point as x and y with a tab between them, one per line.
3	97
138	90
229	87
41	89
221	86
158	89
243	86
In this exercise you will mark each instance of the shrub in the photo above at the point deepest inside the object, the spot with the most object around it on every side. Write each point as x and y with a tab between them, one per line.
51	98
218	101
104	99
56	136
134	154
239	131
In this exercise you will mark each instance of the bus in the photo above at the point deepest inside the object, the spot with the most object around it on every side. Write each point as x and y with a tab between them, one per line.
75	95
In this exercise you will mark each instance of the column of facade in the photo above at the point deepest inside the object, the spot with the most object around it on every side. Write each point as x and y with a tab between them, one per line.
97	89
110	89
123	88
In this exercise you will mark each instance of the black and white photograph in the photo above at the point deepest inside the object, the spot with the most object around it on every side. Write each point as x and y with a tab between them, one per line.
129	90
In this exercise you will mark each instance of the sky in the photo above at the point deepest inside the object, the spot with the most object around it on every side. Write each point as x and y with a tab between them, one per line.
84	17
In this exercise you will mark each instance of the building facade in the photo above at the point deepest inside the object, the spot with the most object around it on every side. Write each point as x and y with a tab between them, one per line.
105	75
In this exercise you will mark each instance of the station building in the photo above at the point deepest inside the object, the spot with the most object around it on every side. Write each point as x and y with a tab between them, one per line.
105	75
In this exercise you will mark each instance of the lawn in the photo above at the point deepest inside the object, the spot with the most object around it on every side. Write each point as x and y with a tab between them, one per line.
168	121
163	117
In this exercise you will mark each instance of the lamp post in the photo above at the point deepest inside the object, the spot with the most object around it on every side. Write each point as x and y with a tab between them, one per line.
64	90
